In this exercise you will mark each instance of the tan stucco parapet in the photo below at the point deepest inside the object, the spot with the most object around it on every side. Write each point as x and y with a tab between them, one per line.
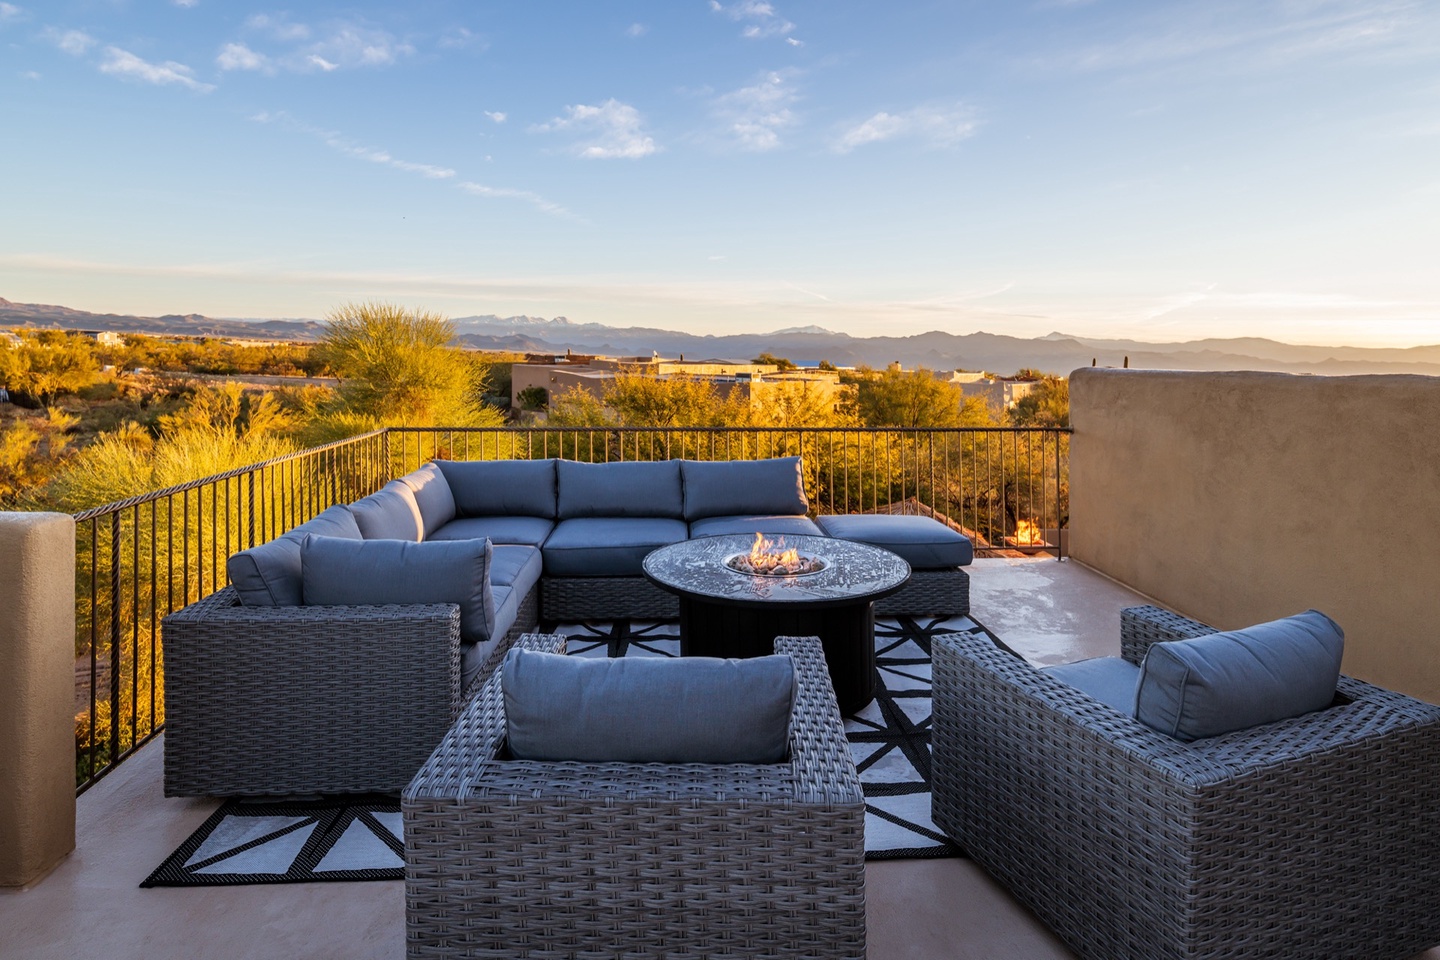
37	686
1239	497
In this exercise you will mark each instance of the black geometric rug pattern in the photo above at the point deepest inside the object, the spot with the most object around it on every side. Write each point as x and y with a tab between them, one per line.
348	838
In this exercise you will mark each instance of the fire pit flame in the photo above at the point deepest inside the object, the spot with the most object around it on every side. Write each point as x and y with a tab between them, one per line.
768	558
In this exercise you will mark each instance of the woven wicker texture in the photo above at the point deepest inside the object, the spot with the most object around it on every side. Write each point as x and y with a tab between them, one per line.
573	599
941	593
934	593
1311	837
283	701
513	859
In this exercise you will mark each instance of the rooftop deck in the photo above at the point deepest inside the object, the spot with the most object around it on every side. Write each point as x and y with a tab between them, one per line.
91	906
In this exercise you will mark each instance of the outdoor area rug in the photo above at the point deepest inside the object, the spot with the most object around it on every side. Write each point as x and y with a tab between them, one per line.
354	838
360	838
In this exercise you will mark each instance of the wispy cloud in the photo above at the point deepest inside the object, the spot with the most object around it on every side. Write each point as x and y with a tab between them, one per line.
335	45
613	129
280	27
237	56
636	30
456	38
123	63
759	19
754	116
8	11
341	144
507	193
74	42
186	3
938	126
1244	36
499	116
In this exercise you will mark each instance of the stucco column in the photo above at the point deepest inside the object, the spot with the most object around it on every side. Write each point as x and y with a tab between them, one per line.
37	692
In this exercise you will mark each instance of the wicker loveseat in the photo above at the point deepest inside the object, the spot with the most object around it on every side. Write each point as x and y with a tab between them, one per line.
1316	836
508	858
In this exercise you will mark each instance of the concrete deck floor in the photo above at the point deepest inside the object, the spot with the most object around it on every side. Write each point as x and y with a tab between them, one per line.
91	906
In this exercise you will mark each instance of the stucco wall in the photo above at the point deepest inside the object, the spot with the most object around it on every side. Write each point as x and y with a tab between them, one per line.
1240	497
37	709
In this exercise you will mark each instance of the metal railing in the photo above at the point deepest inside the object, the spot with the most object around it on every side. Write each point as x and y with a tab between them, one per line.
1005	487
140	559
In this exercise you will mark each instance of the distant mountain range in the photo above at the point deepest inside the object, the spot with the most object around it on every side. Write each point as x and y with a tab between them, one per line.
1054	353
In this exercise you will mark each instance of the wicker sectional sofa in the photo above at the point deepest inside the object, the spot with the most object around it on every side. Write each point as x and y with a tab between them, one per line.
271	696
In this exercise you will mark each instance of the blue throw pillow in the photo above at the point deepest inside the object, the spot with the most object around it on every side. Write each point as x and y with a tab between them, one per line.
357	572
647	710
1223	682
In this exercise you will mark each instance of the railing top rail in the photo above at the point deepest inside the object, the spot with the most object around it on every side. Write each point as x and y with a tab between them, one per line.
125	504
737	429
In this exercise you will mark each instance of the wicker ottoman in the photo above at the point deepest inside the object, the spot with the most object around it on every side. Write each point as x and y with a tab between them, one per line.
937	587
507	858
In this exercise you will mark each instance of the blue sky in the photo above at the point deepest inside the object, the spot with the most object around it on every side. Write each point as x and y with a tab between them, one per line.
1147	169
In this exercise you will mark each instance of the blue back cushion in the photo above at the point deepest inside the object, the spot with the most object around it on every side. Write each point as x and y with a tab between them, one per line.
647	710
501	488
1223	682
733	487
630	489
432	497
269	575
358	572
390	513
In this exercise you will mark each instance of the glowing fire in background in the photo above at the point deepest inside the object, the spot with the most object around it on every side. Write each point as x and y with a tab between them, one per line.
1028	534
768	558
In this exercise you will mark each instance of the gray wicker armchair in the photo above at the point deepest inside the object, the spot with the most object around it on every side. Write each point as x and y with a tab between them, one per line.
280	701
507	858
1317	836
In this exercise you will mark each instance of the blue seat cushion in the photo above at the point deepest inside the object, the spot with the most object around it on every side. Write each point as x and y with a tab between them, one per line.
768	525
340	572
474	655
726	488
607	546
432	496
491	488
390	513
530	531
630	489
269	575
923	543
516	566
1111	680
647	710
1222	682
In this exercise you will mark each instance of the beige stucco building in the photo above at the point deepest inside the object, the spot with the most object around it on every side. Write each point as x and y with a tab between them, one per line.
756	382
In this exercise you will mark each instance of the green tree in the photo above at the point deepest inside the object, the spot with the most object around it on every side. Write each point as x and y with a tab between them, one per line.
780	362
1048	405
533	398
222	428
45	365
398	367
916	399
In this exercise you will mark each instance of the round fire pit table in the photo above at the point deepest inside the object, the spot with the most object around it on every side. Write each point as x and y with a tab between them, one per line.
727	613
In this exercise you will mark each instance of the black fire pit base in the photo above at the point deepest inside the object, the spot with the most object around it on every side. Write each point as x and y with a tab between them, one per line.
846	632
